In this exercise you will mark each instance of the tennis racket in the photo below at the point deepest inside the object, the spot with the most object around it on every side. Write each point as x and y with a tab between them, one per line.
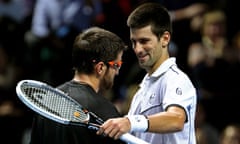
56	105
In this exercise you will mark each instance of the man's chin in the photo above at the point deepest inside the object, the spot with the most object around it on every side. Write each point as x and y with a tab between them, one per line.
106	87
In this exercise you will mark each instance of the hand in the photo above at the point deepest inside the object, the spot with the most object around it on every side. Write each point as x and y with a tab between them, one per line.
115	127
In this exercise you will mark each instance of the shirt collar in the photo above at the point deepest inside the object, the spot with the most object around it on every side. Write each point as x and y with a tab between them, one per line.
164	67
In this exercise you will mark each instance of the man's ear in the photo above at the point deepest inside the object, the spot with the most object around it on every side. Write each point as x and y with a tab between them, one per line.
166	38
100	68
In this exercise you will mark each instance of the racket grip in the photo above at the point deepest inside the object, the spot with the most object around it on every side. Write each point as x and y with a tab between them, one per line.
132	139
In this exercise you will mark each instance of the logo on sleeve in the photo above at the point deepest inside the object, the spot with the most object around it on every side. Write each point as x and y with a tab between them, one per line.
179	91
152	98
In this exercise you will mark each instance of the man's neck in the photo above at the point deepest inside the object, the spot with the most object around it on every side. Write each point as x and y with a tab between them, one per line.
91	80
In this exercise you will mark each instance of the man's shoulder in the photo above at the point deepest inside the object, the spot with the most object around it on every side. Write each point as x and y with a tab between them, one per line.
72	87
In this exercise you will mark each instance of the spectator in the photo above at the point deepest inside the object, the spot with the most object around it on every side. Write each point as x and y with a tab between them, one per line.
55	24
230	134
206	133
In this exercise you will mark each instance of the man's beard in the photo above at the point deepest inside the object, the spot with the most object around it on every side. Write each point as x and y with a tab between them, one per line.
106	84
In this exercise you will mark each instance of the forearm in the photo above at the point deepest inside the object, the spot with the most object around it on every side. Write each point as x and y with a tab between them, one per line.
165	122
171	120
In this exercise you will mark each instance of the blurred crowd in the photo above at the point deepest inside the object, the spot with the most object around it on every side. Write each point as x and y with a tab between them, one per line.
36	37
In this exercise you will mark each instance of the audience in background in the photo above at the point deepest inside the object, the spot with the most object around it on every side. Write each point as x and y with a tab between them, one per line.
213	62
230	134
55	24
213	40
213	69
206	133
8	9
12	115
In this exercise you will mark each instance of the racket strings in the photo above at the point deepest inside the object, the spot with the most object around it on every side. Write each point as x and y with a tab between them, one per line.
55	104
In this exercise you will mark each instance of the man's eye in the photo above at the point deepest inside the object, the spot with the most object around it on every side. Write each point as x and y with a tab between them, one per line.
143	41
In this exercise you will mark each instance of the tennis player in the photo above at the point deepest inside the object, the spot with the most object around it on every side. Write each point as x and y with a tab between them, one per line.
163	109
97	58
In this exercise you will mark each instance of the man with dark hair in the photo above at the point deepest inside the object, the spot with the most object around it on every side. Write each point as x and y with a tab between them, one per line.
96	56
163	109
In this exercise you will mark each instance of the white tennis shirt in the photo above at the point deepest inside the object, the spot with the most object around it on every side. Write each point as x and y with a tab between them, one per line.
167	86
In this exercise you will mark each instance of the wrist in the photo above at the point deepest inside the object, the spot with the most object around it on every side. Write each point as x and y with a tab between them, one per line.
139	123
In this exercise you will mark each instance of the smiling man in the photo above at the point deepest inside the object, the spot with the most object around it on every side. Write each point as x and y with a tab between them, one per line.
163	109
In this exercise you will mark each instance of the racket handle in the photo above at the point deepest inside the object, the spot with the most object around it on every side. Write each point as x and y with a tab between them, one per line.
132	139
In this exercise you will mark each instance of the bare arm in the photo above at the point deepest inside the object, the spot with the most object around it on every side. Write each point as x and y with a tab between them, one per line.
170	121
